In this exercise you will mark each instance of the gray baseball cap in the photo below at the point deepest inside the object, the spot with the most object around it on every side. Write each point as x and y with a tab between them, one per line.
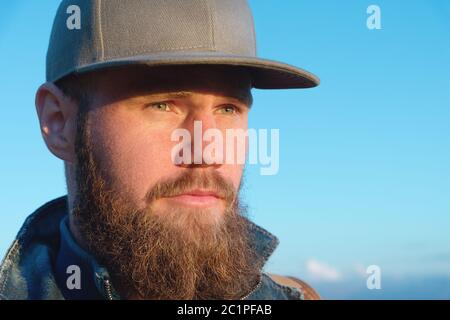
112	33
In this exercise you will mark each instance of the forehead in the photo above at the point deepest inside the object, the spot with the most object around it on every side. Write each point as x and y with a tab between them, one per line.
139	80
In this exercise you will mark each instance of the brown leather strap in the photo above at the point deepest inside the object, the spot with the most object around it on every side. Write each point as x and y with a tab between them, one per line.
309	293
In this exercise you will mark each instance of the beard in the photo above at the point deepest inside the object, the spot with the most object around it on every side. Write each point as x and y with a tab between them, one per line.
172	254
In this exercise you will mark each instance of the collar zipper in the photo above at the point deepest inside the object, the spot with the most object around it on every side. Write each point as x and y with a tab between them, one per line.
108	288
253	290
109	296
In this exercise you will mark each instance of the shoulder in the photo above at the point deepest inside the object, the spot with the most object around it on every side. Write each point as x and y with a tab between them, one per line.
26	271
308	292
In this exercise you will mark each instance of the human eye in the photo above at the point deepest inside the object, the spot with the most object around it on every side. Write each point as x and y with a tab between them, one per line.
228	109
160	106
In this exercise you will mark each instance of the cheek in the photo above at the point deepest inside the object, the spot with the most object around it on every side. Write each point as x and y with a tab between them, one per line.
233	171
133	154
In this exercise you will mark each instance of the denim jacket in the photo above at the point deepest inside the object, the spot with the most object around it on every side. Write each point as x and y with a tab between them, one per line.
35	266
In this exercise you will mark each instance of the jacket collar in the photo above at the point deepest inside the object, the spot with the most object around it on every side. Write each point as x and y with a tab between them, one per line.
48	224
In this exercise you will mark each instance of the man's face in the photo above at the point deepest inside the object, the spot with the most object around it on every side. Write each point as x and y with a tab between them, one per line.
163	230
135	113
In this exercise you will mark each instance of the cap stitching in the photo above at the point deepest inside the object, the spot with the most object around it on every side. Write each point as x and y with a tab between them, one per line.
100	30
212	23
137	51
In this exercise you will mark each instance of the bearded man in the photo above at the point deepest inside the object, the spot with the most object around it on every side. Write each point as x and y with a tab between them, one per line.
134	224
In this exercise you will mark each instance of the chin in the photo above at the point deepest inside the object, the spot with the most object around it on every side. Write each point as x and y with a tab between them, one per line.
193	221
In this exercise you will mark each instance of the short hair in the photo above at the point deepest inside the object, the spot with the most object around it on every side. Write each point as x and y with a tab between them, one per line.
78	88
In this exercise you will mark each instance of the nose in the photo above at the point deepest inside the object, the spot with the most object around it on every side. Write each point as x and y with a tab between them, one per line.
197	123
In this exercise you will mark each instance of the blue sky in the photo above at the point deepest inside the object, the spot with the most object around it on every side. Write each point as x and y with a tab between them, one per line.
364	159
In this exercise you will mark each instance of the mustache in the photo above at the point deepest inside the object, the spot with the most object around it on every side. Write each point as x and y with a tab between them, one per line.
193	180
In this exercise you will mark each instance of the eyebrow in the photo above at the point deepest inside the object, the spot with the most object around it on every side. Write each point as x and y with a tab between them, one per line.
246	99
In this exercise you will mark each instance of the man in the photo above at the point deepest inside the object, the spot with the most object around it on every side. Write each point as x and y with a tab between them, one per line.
136	224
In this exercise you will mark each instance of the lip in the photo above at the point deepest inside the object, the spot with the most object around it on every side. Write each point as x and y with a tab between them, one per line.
197	198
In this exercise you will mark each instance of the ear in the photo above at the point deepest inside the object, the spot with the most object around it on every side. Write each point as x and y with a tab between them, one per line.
57	119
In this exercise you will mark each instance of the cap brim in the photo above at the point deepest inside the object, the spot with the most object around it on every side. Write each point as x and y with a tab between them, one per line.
266	74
